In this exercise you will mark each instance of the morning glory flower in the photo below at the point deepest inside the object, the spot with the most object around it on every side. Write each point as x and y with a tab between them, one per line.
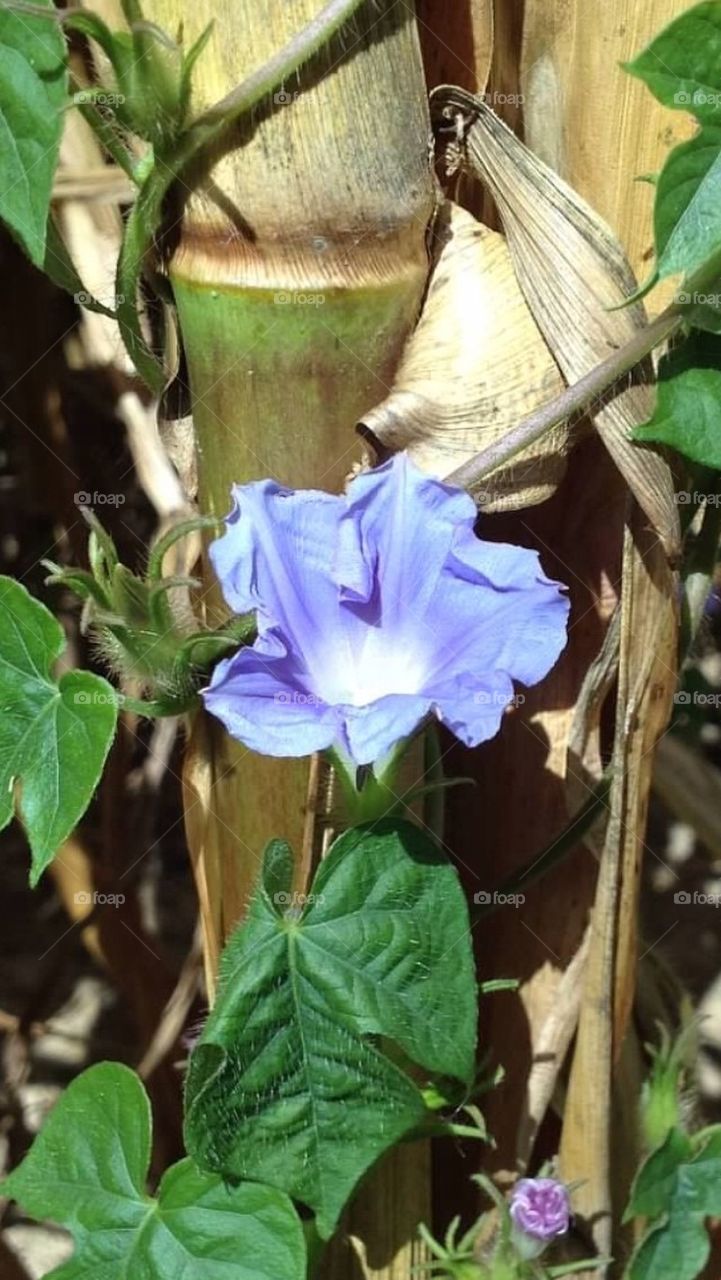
540	1212
375	609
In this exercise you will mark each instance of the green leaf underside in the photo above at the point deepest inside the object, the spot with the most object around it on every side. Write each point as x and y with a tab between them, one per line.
54	735
682	68
682	64
286	1085
33	91
688	406
87	1169
680	1184
687	211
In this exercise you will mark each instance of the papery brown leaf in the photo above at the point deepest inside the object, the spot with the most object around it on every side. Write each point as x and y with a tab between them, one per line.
573	273
475	364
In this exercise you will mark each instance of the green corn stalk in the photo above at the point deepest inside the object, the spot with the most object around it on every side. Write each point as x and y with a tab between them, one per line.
298	272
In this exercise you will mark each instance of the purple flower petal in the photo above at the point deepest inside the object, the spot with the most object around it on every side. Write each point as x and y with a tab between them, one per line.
260	697
376	608
406	529
277	557
395	716
473	709
540	1208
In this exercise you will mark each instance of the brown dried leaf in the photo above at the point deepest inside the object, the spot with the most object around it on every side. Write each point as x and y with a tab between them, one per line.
473	366
572	272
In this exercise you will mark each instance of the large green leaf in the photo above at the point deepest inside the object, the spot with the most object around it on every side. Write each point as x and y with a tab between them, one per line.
54	736
87	1170
687	210
682	64
680	1183
289	1083
33	91
676	1248
688	406
682	67
655	1181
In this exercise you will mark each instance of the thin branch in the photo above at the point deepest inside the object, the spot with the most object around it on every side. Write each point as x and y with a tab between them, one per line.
571	401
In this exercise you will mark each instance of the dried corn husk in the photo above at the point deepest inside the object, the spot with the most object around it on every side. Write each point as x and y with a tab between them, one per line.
473	366
572	272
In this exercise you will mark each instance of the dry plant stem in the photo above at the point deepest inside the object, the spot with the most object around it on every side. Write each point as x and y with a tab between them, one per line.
299	271
175	1013
573	401
552	1047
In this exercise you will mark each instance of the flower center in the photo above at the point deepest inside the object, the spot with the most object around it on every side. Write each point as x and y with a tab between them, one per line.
376	670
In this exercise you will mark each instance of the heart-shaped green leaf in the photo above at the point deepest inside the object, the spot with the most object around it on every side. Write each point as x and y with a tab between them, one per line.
682	64
54	735
33	91
682	68
687	210
87	1170
688	406
680	1184
290	1083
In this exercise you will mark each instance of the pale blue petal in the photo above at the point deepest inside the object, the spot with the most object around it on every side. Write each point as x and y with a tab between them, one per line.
277	557
260	697
369	732
407	522
503	614
473	708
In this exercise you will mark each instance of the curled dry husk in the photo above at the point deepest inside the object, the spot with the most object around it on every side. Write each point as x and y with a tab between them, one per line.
475	364
574	276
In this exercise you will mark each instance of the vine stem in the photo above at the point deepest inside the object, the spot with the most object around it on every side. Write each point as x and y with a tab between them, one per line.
570	402
592	385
